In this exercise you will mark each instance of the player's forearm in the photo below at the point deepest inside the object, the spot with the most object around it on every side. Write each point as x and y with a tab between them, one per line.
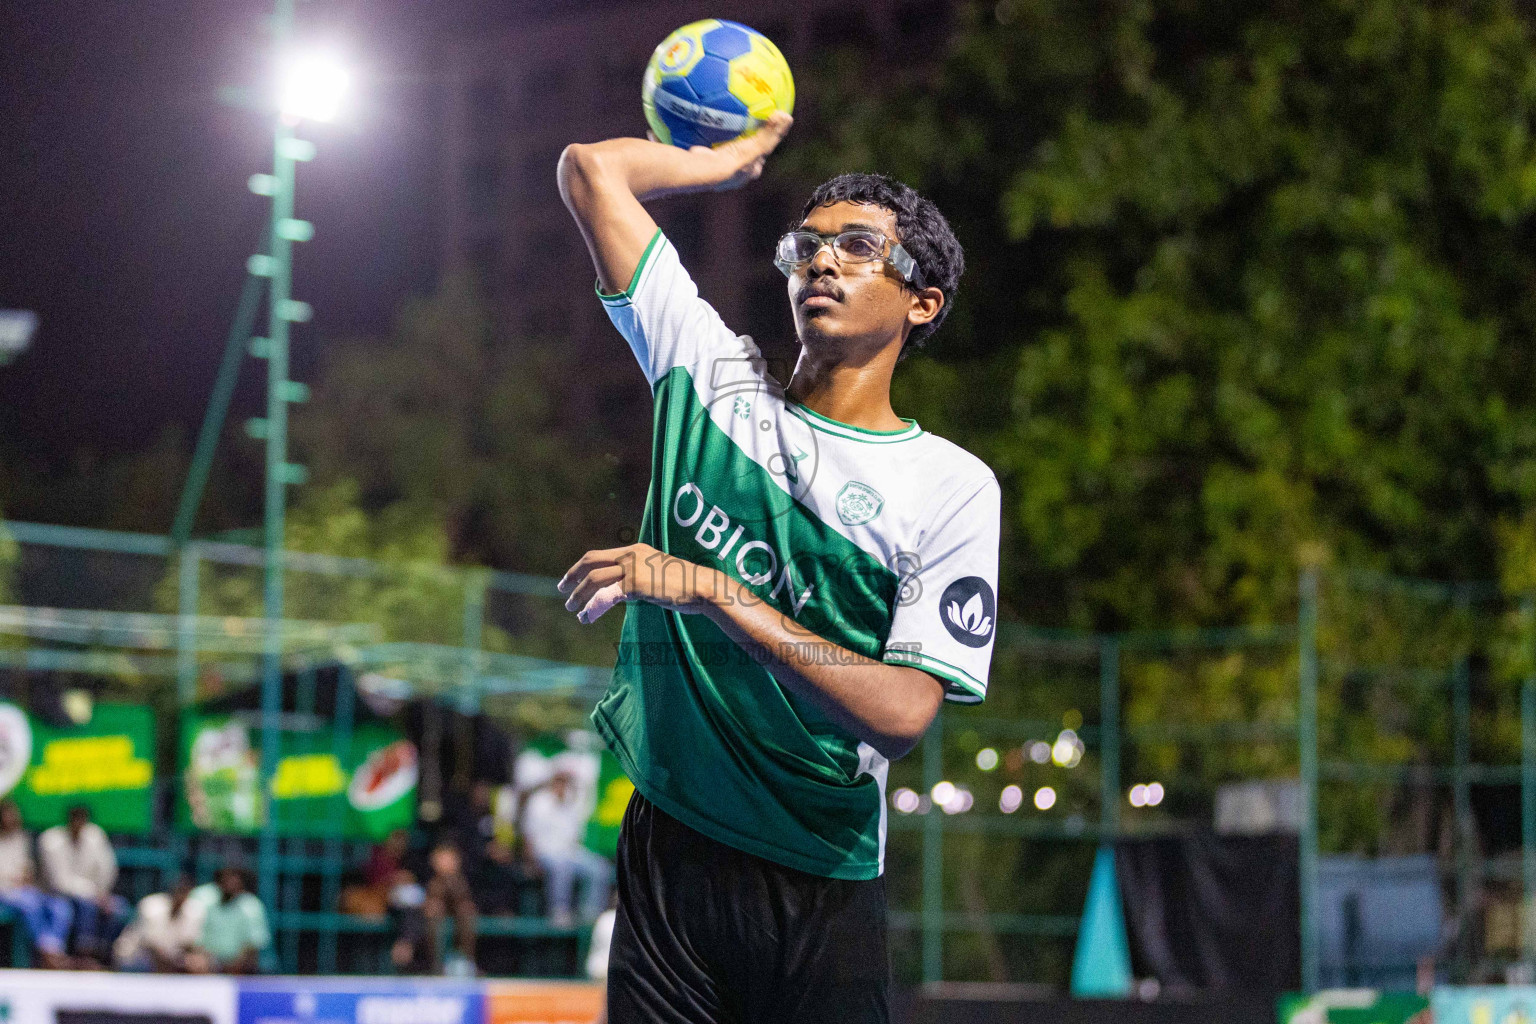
640	167
603	183
887	706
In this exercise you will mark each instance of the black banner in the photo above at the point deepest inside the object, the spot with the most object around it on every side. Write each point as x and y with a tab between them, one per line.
1208	913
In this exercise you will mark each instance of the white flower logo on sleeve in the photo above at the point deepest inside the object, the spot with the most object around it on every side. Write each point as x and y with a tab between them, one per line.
968	611
971	618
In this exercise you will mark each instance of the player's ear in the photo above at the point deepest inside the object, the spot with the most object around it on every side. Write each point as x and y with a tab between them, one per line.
924	306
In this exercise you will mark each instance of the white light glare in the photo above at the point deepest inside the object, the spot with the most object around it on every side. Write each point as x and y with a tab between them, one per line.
906	800
1067	751
1011	800
1149	795
1138	795
961	802
1039	751
1154	793
312	86
986	759
943	792
1045	798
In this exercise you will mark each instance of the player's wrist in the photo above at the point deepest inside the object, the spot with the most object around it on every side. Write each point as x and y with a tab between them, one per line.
710	591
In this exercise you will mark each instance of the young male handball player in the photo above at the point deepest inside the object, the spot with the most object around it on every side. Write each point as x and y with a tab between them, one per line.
814	575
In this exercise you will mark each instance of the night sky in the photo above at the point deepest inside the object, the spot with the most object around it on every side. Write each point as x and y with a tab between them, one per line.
126	220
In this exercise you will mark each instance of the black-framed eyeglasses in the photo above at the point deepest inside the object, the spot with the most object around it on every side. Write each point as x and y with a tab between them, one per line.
856	245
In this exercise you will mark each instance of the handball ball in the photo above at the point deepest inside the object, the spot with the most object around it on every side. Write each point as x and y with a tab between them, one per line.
714	81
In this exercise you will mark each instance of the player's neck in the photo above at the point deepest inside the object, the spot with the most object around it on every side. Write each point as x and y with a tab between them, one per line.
855	393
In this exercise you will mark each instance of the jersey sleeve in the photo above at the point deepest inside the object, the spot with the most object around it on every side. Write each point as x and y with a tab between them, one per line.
946	612
662	316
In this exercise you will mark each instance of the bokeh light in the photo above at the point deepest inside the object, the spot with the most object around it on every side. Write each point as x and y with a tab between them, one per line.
1067	751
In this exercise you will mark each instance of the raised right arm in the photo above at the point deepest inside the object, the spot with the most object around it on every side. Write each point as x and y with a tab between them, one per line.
605	183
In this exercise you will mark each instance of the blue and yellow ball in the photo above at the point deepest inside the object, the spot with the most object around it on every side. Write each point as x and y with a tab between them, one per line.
714	81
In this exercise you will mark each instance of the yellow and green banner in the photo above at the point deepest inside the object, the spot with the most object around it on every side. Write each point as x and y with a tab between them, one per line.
107	764
361	791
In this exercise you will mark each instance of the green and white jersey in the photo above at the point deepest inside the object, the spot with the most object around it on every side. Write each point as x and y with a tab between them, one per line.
881	542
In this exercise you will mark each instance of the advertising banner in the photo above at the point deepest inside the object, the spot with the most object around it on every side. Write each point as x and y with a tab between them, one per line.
542	1002
371	784
1354	1006
69	997
359	1001
108	764
1512	1004
613	792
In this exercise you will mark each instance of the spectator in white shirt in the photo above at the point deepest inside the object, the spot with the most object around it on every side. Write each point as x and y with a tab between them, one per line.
79	864
47	917
554	822
165	932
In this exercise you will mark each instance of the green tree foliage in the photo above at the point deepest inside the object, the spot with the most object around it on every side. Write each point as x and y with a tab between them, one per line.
1255	276
1247	289
450	415
9	553
416	595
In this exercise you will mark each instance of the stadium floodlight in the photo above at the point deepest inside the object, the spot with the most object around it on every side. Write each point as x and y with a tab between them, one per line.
312	86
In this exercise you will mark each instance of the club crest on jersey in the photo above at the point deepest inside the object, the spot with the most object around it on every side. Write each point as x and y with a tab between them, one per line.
858	503
969	611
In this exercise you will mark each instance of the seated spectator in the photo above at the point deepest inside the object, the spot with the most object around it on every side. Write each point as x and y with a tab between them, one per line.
360	899
406	899
235	931
383	872
47	917
504	873
446	895
166	930
554	821
386	860
502	868
79	864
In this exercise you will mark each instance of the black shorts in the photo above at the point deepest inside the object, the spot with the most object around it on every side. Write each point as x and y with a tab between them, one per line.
707	933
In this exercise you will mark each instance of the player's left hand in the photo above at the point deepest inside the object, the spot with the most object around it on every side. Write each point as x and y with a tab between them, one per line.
604	577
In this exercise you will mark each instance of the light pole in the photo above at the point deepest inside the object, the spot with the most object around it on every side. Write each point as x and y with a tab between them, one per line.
310	88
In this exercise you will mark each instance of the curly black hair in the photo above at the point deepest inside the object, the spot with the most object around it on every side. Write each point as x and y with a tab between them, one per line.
921	230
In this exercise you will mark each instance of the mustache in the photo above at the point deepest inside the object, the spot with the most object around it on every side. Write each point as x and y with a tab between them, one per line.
826	288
